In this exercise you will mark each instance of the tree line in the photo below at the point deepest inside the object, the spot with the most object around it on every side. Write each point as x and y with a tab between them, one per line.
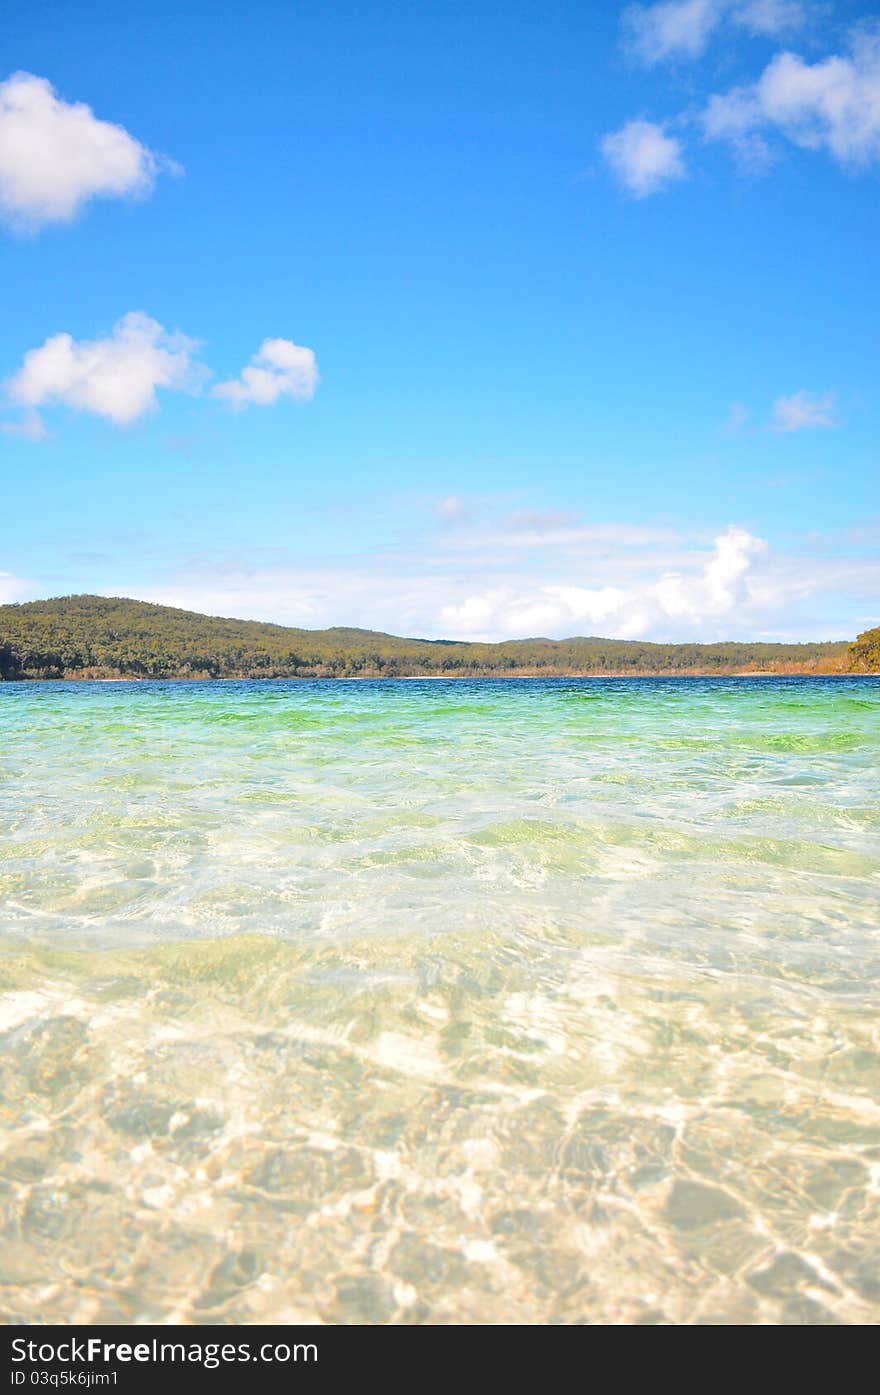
104	637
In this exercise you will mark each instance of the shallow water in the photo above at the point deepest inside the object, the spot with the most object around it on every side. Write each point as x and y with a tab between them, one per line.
526	1001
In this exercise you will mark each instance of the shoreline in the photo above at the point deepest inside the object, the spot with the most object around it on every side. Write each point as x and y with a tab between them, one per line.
507	676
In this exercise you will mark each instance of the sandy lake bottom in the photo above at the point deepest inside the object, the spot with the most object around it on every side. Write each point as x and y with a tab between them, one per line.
509	1002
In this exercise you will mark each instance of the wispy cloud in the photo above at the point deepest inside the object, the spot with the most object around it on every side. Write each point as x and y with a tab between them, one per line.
643	158
678	29
55	156
737	417
771	18
452	508
801	411
541	521
521	535
29	426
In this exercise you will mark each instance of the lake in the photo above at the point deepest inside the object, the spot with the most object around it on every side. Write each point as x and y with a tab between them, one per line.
526	1001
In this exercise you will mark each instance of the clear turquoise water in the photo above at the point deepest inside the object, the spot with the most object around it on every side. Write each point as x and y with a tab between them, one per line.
538	1001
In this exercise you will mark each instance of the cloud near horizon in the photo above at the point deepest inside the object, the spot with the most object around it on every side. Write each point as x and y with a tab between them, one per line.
630	612
651	587
56	156
647	591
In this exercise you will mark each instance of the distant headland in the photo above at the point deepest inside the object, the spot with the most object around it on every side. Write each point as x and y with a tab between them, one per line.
100	637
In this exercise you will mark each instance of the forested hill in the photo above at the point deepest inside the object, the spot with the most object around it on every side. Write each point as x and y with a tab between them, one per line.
865	653
101	637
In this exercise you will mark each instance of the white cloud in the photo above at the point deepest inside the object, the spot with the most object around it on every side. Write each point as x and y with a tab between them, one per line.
683	28
800	410
280	368
669	30
56	155
833	105
116	377
678	602
643	158
504	611
721	586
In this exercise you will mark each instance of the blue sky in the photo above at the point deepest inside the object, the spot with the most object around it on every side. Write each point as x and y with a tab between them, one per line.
445	319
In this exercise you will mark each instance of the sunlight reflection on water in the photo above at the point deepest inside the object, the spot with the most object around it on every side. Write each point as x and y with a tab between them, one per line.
539	1001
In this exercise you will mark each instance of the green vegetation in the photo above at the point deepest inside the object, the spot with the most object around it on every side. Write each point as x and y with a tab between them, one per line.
101	637
865	653
94	636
